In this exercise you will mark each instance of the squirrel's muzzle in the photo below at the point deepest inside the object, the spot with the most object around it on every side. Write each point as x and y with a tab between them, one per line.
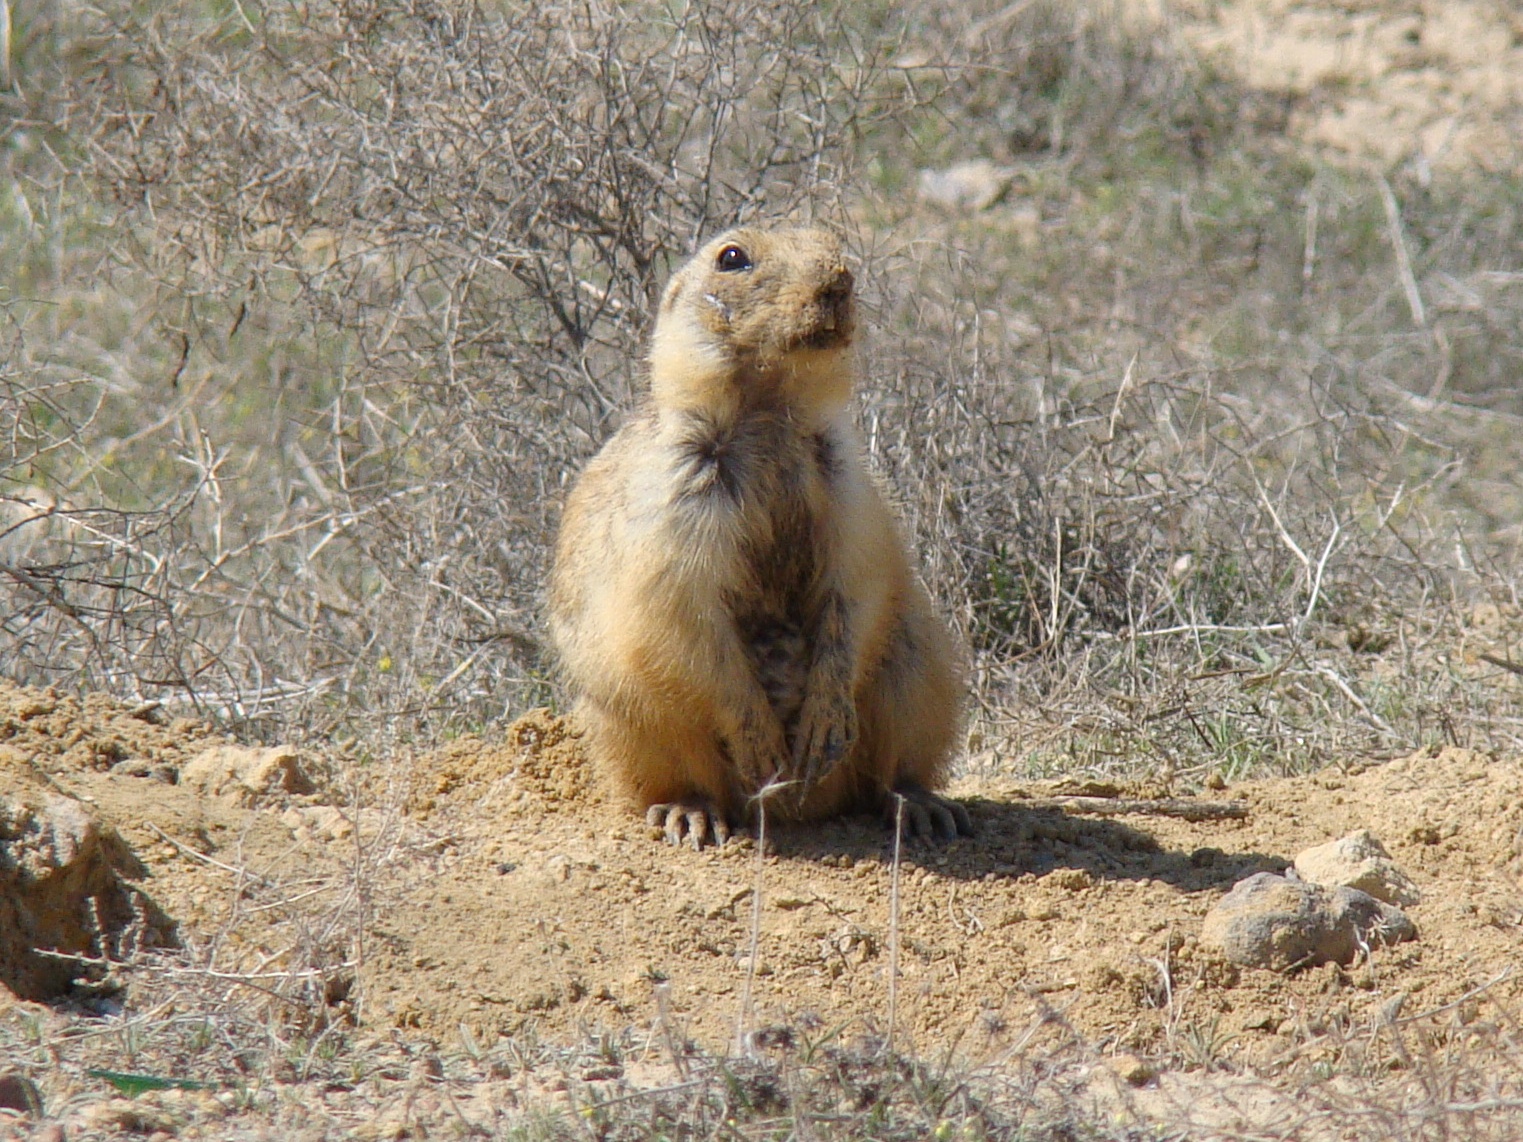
834	310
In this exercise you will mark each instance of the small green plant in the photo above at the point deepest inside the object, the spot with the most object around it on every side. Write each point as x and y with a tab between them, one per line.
133	1085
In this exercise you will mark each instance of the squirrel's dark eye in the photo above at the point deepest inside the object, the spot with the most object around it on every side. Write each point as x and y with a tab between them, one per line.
732	259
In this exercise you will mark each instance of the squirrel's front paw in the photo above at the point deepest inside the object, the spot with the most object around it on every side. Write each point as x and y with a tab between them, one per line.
827	729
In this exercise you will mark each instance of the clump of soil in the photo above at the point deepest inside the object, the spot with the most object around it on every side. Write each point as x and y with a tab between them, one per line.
61	733
539	762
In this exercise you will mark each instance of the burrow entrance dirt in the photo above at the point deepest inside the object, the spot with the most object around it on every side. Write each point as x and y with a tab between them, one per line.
502	892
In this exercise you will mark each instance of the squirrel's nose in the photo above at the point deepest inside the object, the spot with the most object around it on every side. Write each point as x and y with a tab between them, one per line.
837	287
835	296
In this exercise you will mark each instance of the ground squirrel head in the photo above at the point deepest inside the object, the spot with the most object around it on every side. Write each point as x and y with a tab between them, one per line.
757	318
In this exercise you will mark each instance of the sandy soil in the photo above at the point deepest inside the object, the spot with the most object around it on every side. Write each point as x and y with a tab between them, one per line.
1435	82
547	905
507	893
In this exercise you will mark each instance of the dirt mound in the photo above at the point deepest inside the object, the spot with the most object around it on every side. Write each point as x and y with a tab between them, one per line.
548	907
539	764
100	839
507	893
60	733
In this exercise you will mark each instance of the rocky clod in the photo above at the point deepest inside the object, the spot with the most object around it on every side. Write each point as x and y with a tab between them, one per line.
63	888
244	775
1279	922
1359	861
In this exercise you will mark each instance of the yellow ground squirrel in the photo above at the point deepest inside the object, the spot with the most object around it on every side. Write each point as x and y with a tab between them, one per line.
731	599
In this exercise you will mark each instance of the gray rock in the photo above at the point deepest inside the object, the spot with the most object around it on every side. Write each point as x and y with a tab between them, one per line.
974	186
1280	922
1368	922
1359	861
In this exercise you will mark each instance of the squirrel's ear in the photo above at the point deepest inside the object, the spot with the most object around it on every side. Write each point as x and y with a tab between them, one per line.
671	293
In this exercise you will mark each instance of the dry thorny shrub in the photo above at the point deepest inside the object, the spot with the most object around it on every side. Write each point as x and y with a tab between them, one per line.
397	260
373	280
1205	488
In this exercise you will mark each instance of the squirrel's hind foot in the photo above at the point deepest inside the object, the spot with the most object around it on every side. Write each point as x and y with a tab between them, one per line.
693	820
926	815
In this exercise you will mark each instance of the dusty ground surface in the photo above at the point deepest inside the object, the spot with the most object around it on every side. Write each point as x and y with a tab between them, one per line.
547	904
125	764
1437	82
504	895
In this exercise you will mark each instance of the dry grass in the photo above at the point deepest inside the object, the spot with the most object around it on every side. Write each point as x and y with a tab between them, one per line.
1208	491
1418	1075
375	279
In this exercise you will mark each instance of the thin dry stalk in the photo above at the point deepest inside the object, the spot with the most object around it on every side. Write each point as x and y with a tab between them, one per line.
753	948
893	924
1403	258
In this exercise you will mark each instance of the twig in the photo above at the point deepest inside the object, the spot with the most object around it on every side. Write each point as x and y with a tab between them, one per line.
5	45
1480	989
1309	251
194	855
1315	590
1126	383
1313	573
237	978
893	921
208	973
1181	807
743	1016
1348	692
1403	260
666	1025
1504	663
1188	628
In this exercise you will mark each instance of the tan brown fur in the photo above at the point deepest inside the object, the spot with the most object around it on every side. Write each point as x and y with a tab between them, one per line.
731	599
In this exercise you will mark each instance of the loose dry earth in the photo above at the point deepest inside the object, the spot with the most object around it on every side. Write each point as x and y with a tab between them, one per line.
547	904
501	894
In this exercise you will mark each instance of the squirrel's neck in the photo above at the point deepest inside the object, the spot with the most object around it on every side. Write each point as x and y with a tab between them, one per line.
812	389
